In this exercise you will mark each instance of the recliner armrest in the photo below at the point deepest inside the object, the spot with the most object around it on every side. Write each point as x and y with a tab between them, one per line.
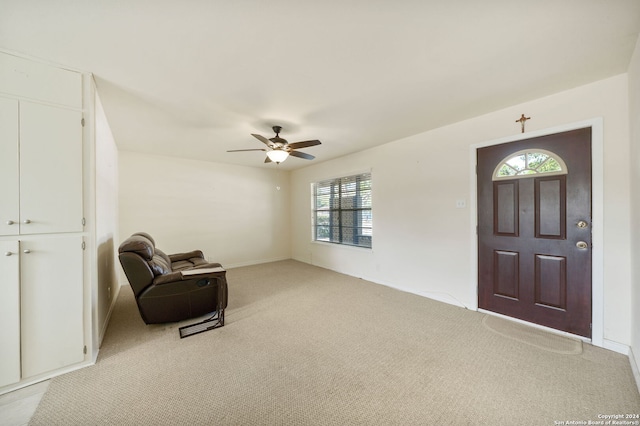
167	278
195	273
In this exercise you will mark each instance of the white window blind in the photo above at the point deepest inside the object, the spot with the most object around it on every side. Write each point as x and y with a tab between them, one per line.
342	210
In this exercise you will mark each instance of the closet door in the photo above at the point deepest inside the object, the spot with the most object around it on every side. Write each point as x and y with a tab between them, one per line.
50	169
9	313
9	183
51	304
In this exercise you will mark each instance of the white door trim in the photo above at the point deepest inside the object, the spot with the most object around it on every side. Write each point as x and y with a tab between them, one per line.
597	215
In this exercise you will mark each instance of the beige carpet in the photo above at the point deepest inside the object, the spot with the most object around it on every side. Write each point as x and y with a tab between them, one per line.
307	346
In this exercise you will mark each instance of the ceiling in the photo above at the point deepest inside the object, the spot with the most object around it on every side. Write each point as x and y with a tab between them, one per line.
195	78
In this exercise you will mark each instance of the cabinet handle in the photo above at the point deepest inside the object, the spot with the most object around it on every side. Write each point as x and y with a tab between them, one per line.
8	253
10	222
27	251
26	221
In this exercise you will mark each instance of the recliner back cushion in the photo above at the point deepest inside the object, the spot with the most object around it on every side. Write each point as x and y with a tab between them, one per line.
147	236
139	245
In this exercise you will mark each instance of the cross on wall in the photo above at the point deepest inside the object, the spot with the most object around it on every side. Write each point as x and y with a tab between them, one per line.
522	121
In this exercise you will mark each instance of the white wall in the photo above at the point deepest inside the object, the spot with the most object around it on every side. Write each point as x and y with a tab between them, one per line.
106	193
422	242
634	116
234	214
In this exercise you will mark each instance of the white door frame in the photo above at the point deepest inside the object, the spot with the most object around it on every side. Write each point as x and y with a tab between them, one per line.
597	215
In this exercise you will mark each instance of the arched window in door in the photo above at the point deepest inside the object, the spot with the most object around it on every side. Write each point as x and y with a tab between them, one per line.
530	162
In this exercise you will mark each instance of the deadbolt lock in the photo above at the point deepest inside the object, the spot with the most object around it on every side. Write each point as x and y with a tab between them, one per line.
582	224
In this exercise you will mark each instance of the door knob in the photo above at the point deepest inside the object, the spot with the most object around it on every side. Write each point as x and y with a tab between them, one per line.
26	221
8	253
27	251
10	222
582	245
582	224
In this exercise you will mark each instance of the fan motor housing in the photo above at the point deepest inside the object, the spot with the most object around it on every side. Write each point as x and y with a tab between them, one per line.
277	139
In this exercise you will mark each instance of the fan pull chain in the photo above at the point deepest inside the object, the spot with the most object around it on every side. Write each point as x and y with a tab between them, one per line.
278	173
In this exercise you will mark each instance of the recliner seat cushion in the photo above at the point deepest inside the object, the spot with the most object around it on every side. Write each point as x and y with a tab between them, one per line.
181	265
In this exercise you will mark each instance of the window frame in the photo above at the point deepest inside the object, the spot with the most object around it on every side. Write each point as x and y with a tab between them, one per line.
551	155
337	198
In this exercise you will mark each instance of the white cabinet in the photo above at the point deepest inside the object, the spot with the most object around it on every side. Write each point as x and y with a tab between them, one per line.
44	305
41	167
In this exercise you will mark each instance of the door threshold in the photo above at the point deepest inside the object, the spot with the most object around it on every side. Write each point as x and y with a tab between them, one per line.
538	326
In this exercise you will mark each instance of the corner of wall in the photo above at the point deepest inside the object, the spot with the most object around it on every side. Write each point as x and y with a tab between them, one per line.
634	135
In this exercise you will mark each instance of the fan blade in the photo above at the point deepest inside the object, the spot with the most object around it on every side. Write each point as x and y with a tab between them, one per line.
301	155
267	160
239	150
304	144
262	139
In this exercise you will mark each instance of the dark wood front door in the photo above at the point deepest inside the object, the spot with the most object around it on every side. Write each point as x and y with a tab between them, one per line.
534	233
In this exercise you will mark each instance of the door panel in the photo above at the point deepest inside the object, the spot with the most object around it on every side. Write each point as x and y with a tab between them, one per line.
505	204
550	204
52	312
529	264
50	169
35	80
9	313
507	277
9	199
551	281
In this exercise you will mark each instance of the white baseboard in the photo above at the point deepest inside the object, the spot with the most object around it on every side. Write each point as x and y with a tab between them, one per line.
634	367
45	376
254	262
616	347
103	331
443	297
437	296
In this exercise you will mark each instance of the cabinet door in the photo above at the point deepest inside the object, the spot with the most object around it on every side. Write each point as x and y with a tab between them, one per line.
9	184
35	80
51	304
50	169
9	313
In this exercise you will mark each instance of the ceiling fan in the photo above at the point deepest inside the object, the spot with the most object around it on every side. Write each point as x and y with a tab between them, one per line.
278	149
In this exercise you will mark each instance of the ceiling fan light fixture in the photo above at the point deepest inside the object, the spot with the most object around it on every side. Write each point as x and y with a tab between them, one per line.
277	155
279	149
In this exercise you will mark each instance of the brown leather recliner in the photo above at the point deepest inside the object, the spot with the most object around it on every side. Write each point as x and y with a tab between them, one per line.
168	288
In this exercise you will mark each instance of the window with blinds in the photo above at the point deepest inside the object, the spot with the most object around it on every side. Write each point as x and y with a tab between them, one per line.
342	210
